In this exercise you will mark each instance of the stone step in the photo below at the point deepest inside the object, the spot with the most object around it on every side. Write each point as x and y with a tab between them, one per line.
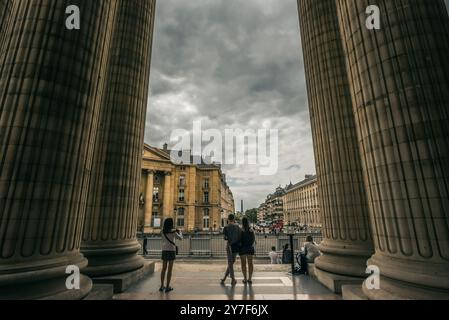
101	292
353	292
123	281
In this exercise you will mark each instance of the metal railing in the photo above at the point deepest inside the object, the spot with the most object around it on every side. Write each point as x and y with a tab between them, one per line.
214	246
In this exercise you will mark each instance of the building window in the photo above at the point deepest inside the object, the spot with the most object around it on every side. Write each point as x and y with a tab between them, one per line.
182	181
206	183
181	195
180	218
206	197
155	194
206	219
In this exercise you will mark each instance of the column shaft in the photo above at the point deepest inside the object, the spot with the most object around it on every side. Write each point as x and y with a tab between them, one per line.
149	202
400	92
5	14
347	238
168	197
109	240
49	79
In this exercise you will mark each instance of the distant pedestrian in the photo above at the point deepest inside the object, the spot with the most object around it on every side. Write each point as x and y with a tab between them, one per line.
247	251
232	235
169	251
286	255
274	256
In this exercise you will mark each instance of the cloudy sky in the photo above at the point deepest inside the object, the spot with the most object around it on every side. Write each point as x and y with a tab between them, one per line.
233	64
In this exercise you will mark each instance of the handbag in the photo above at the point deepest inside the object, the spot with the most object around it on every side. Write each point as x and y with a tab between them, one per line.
171	242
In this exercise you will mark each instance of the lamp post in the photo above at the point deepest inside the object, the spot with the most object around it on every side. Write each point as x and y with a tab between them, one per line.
291	233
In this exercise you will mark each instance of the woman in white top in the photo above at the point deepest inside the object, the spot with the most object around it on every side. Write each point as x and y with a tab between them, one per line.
311	252
169	236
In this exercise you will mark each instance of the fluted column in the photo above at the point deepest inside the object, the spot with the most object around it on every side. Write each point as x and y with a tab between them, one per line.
347	238
5	10
400	88
49	77
168	197
109	240
149	201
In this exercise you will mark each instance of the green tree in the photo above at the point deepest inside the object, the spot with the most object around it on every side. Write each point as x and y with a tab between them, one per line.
251	214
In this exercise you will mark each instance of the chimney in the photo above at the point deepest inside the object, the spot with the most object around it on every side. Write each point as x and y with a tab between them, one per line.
165	147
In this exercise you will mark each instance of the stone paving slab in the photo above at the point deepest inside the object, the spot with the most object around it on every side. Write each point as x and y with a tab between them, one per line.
199	281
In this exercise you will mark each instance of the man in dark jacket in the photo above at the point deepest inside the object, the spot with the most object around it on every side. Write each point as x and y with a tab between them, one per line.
232	235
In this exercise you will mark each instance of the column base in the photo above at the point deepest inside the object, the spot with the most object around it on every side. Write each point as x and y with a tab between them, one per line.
335	282
396	290
344	258
353	292
101	292
351	266
400	273
123	281
35	281
111	258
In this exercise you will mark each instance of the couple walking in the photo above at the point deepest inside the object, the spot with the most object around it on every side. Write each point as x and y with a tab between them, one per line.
239	241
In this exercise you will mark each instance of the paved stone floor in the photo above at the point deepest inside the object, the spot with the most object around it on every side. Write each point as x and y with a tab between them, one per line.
200	280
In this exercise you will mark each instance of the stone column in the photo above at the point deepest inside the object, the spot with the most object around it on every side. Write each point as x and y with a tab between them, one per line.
347	238
149	201
49	77
400	88
168	196
5	14
109	239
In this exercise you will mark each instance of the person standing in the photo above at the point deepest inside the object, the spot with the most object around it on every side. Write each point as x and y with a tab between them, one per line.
286	255
168	252
232	235
247	251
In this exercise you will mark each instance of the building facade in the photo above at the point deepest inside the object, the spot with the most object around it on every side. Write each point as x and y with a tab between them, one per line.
301	205
273	207
227	201
261	212
196	196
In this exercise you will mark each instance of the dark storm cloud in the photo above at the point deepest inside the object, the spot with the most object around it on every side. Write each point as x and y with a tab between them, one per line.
232	63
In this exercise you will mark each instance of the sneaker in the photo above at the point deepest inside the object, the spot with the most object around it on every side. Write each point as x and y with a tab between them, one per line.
161	289
167	290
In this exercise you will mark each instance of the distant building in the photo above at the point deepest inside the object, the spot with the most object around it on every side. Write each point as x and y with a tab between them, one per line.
227	202
261	212
272	208
301	204
195	195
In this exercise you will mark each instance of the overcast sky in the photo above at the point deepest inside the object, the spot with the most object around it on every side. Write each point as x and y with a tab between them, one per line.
233	64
